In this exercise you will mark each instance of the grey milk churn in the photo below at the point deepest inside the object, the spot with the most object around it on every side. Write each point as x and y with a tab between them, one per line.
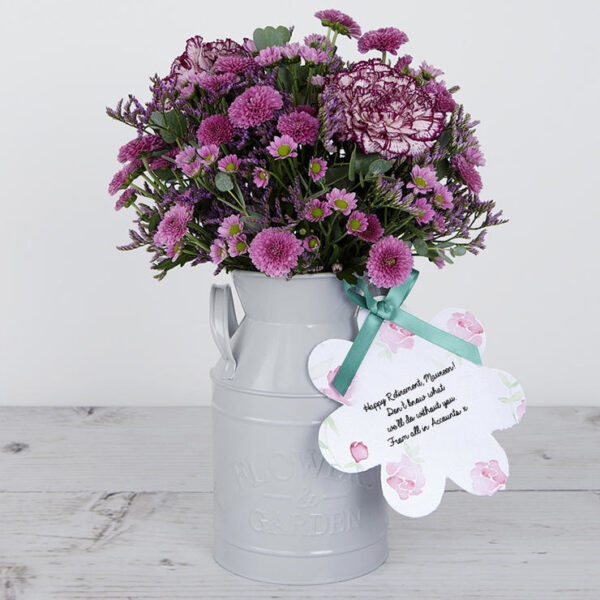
282	514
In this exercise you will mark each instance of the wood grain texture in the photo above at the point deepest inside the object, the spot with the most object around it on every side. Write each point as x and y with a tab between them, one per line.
67	546
168	449
116	504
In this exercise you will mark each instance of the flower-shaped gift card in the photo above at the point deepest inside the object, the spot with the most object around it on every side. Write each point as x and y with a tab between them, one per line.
420	411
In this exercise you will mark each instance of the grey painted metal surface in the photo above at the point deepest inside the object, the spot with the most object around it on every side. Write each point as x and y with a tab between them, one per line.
282	514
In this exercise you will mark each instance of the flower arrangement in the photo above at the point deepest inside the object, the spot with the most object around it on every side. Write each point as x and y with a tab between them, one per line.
281	157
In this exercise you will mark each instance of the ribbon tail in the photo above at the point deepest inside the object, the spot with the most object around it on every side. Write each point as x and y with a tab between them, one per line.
357	353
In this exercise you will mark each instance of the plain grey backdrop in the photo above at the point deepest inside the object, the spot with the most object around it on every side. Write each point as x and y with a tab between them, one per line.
84	324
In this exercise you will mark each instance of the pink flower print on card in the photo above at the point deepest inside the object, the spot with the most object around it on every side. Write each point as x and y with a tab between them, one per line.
359	451
521	409
466	326
487	478
395	337
405	477
333	393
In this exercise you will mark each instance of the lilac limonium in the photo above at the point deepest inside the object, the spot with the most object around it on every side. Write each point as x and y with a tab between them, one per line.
317	210
282	147
341	200
229	164
317	167
260	177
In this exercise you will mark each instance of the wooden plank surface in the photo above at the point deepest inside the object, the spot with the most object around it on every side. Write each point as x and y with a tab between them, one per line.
116	504
168	449
76	546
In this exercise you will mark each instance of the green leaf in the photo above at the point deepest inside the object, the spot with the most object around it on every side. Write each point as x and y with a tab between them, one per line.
352	167
223	182
506	400
269	36
323	445
507	381
170	125
445	138
442	168
363	161
458	251
331	423
380	166
154	221
420	247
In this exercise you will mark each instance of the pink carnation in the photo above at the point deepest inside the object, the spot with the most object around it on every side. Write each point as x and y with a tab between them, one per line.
216	130
300	126
390	262
275	252
386	112
386	39
255	106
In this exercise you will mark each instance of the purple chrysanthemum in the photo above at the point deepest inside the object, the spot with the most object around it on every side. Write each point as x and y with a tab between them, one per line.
317	210
218	251
208	154
373	231
442	197
357	223
231	226
430	70
215	83
421	210
317	80
124	198
275	252
341	200
300	126
386	39
444	101
317	168
384	111
215	129
316	40
422	179
311	243
390	262
121	178
290	50
268	56
234	63
147	143
313	56
282	147
339	22
260	177
237	245
255	106
173	226
229	164
185	157
468	173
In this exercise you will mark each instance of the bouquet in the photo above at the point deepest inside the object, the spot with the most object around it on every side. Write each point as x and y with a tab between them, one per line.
278	156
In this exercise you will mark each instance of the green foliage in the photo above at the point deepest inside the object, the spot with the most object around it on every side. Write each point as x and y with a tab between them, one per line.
271	36
223	182
170	126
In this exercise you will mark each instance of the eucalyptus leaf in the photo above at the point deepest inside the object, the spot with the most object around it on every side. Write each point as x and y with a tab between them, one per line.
352	167
380	166
271	36
223	182
420	247
458	251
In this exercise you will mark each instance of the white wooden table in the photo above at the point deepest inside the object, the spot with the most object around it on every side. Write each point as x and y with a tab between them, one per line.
116	504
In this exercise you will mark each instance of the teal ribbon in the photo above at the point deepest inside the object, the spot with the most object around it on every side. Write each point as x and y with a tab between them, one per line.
389	309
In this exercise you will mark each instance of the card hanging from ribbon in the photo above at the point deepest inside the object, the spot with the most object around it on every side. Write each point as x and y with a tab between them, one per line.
416	400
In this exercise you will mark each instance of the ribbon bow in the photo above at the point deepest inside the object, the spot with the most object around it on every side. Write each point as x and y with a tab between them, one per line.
389	309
